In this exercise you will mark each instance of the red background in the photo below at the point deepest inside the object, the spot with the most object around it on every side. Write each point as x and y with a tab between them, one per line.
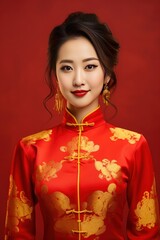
24	30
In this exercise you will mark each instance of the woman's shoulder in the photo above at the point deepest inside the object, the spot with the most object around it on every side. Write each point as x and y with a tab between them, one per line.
41	136
120	133
44	135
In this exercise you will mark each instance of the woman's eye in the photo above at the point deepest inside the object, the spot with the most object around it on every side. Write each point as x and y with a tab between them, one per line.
90	67
66	68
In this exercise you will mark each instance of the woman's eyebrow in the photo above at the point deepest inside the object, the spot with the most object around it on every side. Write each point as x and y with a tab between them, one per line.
66	61
89	59
84	60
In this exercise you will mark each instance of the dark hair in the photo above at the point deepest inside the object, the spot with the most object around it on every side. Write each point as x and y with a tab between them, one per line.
87	25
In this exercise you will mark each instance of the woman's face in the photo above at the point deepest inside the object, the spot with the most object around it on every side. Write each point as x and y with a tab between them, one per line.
79	74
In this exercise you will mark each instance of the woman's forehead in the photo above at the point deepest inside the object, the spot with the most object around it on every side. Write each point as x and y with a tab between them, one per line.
77	48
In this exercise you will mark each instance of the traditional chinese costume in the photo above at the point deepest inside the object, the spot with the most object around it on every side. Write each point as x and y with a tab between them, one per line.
83	175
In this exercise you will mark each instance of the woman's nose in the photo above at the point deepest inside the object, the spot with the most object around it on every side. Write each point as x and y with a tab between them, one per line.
78	79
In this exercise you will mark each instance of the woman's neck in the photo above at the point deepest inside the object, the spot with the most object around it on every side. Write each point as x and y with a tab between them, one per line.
80	113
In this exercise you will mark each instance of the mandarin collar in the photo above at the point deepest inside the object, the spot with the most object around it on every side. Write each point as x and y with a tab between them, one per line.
93	119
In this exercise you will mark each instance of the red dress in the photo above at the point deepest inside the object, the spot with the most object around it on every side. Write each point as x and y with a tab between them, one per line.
83	175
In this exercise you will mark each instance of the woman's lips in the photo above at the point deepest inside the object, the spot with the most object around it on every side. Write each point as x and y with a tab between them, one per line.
80	93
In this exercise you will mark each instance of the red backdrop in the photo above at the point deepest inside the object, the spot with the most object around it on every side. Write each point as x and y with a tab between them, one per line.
25	26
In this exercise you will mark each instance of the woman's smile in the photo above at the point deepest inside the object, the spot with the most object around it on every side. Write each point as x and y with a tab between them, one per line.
80	93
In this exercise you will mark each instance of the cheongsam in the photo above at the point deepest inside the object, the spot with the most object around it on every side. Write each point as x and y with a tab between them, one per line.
83	175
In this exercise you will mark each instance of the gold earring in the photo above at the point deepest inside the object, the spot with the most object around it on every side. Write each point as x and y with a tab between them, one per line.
58	101
106	94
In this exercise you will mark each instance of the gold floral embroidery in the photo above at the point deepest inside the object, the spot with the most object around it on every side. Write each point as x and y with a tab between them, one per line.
146	210
119	133
100	201
93	211
108	169
48	170
86	147
44	135
56	201
19	207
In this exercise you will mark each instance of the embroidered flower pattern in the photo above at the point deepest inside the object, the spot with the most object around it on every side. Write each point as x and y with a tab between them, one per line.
93	211
48	170
19	207
146	210
86	147
108	169
44	135
123	134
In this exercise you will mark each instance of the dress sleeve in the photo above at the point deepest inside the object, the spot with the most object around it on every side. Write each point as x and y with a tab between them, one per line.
143	218
20	215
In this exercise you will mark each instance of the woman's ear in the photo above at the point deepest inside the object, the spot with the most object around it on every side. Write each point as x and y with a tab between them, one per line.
107	79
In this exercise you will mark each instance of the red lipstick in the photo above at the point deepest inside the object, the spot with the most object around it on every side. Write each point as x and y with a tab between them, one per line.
80	93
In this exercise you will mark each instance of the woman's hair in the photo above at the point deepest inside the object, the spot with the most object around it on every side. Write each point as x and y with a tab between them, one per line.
87	25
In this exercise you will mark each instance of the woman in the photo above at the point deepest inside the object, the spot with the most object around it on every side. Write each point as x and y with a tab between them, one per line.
83	171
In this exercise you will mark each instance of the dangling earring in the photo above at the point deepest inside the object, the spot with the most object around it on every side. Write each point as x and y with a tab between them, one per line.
58	101
106	94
